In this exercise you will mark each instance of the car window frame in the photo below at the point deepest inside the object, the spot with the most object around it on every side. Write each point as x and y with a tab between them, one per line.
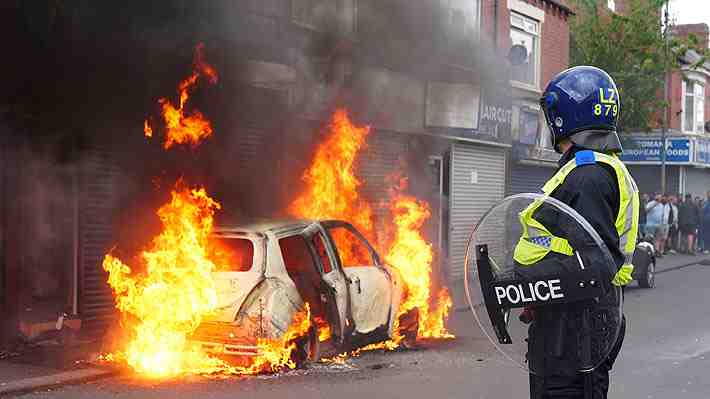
331	224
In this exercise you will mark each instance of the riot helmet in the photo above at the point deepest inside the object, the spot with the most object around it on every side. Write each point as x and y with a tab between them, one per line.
582	104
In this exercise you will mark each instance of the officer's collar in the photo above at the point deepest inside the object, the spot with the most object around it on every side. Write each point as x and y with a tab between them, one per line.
569	155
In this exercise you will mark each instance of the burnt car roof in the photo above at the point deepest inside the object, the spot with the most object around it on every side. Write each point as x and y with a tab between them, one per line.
255	227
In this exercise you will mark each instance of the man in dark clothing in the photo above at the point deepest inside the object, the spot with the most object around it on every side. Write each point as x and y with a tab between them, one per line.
688	219
642	215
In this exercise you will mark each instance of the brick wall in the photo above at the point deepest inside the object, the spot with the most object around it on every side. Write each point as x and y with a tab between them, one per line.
701	31
489	9
555	33
555	43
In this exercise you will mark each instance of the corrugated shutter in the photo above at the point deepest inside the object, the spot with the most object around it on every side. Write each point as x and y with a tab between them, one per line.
477	183
697	181
528	179
96	206
376	163
648	178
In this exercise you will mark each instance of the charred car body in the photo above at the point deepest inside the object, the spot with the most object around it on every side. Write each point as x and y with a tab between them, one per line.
278	267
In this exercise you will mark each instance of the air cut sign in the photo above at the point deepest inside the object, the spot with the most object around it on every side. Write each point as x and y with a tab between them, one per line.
537	291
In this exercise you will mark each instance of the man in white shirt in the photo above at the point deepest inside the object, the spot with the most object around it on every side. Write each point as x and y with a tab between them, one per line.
657	213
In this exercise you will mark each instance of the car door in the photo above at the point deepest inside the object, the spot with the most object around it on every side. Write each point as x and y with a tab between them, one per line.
334	289
370	285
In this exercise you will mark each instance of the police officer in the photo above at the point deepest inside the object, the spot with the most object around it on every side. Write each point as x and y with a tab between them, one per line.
581	107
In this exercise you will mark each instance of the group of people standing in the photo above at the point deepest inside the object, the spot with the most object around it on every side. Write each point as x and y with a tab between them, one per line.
676	223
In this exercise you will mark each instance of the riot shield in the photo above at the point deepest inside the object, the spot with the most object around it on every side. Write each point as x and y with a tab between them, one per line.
538	280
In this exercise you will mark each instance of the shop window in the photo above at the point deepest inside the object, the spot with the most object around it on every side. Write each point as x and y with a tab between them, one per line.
525	32
529	126
693	107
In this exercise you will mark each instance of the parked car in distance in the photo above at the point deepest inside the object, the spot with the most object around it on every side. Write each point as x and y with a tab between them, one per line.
645	263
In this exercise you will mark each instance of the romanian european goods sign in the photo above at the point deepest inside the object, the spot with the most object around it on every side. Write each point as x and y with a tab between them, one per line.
649	150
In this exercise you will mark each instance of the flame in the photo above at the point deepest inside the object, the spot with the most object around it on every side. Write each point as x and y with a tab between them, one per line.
176	290
182	129
332	192
331	187
166	302
412	256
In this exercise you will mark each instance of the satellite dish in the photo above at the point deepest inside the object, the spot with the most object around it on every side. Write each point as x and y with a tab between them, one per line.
518	55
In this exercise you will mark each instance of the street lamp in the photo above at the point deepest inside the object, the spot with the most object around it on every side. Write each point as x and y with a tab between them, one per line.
665	96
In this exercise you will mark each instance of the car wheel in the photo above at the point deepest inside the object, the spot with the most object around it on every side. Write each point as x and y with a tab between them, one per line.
408	327
648	278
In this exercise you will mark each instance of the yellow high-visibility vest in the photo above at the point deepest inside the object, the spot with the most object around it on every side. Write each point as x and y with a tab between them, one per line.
537	241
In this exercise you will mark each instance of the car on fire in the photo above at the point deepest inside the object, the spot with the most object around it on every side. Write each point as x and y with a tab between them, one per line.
277	267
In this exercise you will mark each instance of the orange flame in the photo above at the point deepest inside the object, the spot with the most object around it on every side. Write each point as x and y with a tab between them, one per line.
182	129
166	303
177	291
412	256
332	189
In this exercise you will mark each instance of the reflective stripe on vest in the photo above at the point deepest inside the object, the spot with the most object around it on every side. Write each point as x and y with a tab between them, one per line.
536	241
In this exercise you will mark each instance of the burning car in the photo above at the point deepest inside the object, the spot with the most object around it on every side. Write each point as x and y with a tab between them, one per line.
277	267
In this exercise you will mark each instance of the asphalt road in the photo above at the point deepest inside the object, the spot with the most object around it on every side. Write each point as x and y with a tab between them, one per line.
666	354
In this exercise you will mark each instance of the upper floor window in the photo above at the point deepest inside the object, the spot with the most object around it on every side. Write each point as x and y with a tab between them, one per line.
525	31
693	107
324	15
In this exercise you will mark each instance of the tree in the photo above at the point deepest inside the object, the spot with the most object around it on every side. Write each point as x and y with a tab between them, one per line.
631	48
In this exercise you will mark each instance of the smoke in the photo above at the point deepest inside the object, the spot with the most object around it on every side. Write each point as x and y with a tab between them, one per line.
284	67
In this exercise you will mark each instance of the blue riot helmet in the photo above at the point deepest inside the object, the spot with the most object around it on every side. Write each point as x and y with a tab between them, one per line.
582	104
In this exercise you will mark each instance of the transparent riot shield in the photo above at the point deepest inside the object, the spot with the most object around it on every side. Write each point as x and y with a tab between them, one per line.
538	279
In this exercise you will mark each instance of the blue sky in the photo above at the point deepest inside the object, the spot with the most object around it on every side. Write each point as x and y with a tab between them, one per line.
691	11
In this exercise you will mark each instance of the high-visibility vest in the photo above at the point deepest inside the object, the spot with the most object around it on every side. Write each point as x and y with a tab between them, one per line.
536	240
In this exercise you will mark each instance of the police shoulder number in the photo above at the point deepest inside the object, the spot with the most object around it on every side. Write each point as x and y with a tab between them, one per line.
608	103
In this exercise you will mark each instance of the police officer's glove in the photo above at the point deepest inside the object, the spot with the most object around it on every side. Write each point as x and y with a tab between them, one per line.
623	276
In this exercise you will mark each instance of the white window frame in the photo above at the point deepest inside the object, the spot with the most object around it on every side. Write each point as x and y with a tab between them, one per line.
698	104
533	27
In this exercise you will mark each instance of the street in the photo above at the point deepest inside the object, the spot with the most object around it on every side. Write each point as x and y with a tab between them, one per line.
666	352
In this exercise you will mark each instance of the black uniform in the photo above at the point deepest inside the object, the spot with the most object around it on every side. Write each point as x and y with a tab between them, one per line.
554	335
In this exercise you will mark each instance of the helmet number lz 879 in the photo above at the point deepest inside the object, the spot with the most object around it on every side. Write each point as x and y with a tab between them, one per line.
607	104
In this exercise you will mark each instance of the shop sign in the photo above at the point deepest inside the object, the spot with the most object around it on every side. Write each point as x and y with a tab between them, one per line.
649	150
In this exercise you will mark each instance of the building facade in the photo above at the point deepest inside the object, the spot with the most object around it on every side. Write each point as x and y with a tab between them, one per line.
688	137
542	27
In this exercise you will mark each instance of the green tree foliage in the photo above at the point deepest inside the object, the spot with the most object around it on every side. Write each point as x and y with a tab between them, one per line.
630	48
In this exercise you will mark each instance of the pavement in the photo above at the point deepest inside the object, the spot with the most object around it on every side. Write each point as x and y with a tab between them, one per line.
45	366
669	345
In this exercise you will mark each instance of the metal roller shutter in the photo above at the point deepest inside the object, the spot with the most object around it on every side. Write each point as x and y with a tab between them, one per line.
477	183
528	179
648	178
379	160
96	204
697	181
